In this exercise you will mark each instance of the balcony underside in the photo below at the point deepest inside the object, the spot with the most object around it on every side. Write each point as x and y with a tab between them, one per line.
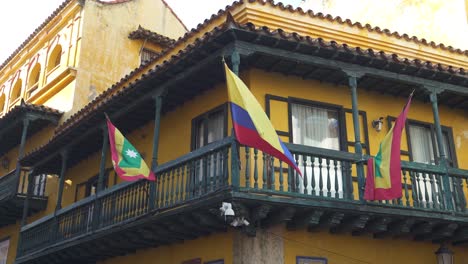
263	209
380	221
11	208
154	229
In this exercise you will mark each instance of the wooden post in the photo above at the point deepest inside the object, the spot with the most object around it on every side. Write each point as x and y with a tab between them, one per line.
235	173
440	144
24	134
102	165
28	196
63	169
352	80
154	163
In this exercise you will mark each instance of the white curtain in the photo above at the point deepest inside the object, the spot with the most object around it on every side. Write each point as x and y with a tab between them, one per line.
317	127
4	245
214	126
422	151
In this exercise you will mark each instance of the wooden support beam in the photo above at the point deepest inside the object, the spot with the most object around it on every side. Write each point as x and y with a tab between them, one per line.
461	236
280	216
196	225
397	228
258	213
444	231
423	228
330	221
302	220
206	219
377	225
354	223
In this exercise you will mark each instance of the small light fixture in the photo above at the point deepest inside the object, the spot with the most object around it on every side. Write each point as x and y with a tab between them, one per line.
444	255
69	182
377	124
226	210
6	163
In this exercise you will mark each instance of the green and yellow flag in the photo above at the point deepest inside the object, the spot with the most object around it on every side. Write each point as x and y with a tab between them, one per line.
383	180
127	161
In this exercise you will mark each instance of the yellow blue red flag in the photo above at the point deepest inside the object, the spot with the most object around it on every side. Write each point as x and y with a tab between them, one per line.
251	125
128	163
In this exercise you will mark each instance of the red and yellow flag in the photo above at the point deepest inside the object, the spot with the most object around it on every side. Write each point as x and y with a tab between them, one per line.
384	171
128	163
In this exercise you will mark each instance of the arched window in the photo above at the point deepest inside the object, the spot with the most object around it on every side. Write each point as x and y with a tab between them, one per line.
2	103
16	91
34	75
54	58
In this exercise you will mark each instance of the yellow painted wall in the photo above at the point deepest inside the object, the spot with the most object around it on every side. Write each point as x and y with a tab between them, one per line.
431	19
63	30
106	53
347	249
375	105
208	248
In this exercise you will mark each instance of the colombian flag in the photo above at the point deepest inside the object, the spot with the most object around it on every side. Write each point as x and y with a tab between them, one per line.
251	125
384	171
128	163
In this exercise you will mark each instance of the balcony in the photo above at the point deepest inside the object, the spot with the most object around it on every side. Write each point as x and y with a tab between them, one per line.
12	195
184	204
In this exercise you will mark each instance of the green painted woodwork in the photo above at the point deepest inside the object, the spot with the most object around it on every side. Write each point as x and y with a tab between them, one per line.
197	176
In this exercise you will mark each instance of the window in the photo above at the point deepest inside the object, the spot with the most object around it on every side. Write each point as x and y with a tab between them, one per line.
315	126
318	127
33	81
2	103
54	58
16	91
311	260
147	55
206	129
89	187
423	143
4	245
209	127
34	75
218	261
39	185
424	149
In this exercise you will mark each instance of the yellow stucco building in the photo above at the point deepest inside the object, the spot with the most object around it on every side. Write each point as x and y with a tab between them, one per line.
331	88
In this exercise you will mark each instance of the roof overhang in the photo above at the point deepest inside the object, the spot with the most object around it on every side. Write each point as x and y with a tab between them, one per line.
11	124
198	68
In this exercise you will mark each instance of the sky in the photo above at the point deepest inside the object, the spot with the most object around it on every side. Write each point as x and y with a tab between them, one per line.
18	22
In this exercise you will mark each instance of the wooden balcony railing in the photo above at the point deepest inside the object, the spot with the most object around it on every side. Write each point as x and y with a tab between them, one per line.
11	185
327	174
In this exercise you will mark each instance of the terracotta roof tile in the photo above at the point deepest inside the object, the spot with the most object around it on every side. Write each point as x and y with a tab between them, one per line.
265	30
142	33
25	107
116	91
104	99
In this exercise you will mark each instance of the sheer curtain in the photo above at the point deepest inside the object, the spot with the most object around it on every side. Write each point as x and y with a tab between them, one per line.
422	151
317	127
209	130
4	245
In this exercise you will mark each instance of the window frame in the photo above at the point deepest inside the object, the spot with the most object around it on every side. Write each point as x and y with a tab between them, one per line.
7	238
18	88
223	108
52	64
89	182
322	260
446	130
152	55
342	137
